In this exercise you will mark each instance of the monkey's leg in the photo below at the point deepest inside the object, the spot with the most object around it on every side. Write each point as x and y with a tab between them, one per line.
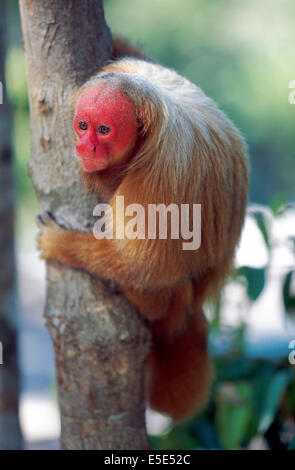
179	370
170	303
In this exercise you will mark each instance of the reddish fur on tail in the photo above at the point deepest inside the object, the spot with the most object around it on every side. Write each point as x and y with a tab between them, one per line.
179	370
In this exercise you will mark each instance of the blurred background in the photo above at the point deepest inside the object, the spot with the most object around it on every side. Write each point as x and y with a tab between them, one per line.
242	55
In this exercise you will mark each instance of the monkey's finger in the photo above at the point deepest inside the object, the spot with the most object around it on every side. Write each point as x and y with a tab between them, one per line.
40	222
49	219
39	240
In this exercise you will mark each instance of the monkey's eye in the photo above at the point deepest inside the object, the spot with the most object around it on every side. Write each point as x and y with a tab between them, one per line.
82	125
104	130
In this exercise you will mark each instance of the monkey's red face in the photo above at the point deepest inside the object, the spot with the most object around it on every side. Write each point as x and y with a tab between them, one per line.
105	122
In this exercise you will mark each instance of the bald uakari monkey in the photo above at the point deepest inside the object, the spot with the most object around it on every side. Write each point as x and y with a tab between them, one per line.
150	135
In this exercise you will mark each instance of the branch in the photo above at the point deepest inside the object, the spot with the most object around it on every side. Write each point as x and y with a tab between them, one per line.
100	342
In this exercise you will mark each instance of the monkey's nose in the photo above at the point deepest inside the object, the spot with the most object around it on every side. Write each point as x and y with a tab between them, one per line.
86	149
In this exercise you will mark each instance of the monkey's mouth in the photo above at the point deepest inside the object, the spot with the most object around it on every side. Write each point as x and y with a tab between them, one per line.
92	164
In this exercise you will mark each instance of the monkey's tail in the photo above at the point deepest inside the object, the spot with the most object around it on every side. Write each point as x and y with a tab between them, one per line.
179	370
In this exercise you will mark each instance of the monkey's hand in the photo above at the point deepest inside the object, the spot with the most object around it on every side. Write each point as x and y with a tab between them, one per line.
49	237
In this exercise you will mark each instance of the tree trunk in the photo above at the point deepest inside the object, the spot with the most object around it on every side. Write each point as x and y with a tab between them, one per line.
100	342
10	436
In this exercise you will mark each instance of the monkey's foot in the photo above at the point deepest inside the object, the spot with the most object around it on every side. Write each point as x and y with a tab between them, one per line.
49	236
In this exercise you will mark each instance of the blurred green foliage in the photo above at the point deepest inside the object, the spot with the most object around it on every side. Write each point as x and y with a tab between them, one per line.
17	93
241	53
252	397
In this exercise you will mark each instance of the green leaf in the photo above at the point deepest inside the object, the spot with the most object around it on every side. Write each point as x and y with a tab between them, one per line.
273	395
255	278
278	204
261	221
289	299
233	415
234	369
205	433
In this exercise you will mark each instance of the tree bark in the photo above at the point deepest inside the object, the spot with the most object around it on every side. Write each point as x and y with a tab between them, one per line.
99	340
10	435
